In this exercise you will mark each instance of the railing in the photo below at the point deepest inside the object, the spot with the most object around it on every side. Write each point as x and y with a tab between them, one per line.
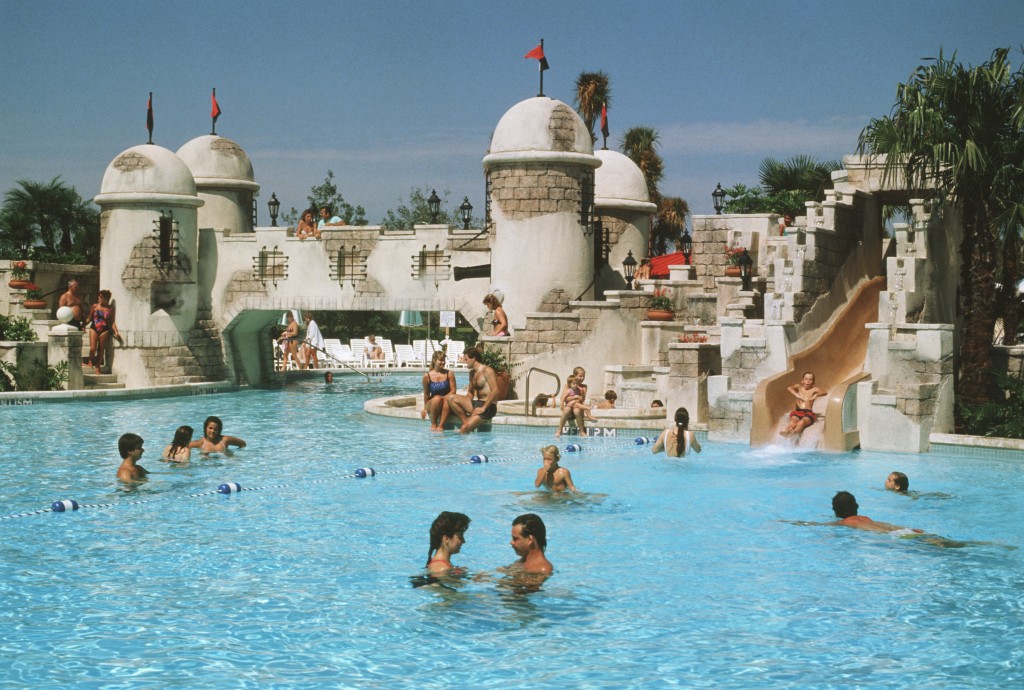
558	387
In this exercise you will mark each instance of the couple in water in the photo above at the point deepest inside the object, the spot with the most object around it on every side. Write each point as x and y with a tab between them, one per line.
213	441
529	540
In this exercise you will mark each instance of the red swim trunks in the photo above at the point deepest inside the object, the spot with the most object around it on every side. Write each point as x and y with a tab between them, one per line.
804	414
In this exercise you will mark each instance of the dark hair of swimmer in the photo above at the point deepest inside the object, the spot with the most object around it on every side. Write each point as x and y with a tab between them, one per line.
127	443
472	353
682	424
182	437
533	526
215	420
844	505
901	481
445	525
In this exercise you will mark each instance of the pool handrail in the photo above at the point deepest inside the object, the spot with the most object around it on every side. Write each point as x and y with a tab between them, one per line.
558	387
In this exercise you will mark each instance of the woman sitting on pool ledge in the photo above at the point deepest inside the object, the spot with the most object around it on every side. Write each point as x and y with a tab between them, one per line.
213	441
447	535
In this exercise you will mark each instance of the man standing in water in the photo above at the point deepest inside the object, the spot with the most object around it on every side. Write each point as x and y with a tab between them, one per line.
480	401
529	539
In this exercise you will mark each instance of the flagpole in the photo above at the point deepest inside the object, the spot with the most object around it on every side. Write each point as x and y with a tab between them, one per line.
213	128
540	68
149	117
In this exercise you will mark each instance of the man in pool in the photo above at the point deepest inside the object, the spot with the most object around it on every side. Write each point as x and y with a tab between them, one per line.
844	505
130	448
529	539
480	401
898	482
213	441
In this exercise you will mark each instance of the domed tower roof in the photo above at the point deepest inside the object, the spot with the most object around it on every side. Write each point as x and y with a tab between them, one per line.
148	173
619	183
541	129
218	162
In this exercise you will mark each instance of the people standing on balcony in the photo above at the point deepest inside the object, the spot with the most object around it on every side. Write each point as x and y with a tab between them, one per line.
307	227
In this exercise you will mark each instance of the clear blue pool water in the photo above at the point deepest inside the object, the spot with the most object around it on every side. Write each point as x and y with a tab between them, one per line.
668	573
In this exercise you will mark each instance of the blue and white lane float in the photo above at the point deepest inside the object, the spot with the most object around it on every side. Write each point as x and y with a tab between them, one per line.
229	488
478	459
364	472
643	440
574	448
65	505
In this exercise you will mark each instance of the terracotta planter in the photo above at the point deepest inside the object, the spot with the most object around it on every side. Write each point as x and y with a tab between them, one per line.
34	304
504	384
19	284
732	271
660	314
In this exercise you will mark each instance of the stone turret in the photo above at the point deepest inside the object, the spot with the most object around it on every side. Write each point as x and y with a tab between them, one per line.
540	178
224	181
623	204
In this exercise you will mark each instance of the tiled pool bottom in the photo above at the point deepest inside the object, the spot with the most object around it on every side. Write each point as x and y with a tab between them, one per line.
668	573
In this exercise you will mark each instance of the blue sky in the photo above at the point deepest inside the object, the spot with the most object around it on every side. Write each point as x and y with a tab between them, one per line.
396	95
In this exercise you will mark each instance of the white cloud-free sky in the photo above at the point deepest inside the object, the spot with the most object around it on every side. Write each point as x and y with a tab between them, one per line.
402	94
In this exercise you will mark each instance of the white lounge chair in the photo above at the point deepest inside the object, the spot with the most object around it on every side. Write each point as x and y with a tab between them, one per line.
406	356
455	350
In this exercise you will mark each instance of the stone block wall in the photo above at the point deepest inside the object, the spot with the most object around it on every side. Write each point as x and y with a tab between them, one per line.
529	190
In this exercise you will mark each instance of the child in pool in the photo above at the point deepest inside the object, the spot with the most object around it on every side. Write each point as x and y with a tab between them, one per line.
179	450
130	448
551	475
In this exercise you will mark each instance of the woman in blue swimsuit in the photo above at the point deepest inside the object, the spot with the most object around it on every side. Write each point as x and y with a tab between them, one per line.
438	384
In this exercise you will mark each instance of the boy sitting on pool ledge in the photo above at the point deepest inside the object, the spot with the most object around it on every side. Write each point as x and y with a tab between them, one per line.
130	448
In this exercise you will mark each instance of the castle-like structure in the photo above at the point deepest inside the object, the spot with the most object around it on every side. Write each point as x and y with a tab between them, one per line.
198	287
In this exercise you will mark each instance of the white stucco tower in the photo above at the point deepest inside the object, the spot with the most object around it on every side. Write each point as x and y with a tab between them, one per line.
624	206
148	244
224	181
540	179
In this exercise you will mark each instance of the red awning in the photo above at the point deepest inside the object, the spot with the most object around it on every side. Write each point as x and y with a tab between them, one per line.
660	264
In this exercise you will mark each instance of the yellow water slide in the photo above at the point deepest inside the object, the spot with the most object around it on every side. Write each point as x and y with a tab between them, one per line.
837	361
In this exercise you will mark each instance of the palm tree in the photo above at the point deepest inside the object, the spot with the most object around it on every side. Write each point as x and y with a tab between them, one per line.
592	91
58	213
640	145
670	222
800	173
957	135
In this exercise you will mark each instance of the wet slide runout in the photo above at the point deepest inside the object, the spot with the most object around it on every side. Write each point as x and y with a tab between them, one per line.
837	361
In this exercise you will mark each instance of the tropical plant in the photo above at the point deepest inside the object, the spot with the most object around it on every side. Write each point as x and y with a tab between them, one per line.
640	145
669	223
417	211
592	92
800	173
1003	417
956	135
53	216
17	329
662	300
493	357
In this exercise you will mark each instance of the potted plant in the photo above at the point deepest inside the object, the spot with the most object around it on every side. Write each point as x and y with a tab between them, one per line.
661	308
732	260
33	297
19	276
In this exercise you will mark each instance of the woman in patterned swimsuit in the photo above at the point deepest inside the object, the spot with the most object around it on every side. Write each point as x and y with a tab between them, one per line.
438	384
101	326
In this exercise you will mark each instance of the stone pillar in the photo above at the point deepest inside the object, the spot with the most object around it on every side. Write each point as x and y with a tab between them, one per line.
65	345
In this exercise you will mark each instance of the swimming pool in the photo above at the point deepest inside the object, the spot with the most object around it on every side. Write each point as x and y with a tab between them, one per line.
668	573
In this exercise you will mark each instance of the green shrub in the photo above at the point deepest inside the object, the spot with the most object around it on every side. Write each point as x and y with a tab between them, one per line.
17	329
41	377
1003	416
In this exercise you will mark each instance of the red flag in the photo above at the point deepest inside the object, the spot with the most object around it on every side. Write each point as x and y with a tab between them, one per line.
215	110
538	54
149	116
604	120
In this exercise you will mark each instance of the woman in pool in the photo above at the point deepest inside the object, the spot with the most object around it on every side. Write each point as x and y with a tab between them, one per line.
179	450
438	385
677	440
447	535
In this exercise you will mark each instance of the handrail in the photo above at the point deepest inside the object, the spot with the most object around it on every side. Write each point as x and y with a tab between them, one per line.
339	361
558	387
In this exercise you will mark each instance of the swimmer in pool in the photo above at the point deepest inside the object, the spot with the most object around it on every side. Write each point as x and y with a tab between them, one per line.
529	540
213	441
179	450
130	448
447	535
668	441
844	505
552	476
898	482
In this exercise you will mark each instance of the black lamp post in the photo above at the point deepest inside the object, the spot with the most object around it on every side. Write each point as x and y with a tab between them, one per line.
746	266
434	204
686	245
629	269
274	205
719	196
467	213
